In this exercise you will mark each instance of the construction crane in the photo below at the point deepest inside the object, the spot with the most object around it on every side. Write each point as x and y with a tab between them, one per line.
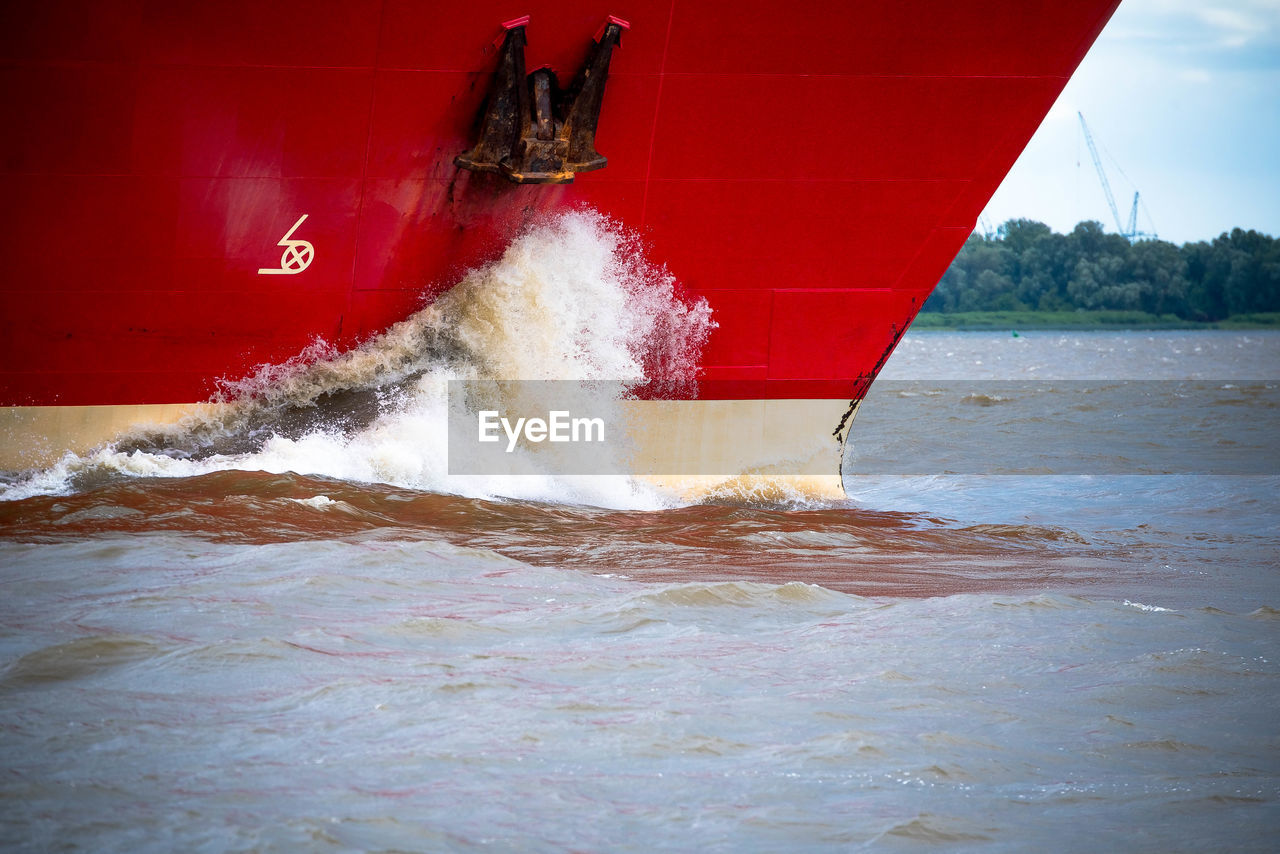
1132	230
985	224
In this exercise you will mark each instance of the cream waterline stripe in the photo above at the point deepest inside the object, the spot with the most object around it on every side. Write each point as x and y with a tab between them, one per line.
32	437
729	438
728	448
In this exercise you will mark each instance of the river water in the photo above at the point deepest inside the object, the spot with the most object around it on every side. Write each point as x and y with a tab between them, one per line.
1073	652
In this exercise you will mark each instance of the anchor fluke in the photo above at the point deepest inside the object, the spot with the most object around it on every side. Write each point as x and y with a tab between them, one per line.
531	131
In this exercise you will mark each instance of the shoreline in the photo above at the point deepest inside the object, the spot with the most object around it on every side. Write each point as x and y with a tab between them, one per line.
986	321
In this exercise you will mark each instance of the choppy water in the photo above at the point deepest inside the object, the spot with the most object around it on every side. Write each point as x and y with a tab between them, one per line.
222	659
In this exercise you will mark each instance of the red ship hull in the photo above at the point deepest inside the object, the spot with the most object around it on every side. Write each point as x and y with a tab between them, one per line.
809	172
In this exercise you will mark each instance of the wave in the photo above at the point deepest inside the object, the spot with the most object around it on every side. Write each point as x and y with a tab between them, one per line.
572	298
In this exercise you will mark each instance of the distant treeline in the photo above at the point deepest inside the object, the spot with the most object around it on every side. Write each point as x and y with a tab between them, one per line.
1028	266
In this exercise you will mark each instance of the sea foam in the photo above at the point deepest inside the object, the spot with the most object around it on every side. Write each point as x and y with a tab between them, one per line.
572	298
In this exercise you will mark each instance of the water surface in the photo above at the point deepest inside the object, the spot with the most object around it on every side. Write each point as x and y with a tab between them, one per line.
264	661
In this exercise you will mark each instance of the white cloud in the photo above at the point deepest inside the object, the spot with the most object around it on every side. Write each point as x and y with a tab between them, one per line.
1235	28
1192	121
1188	26
1229	19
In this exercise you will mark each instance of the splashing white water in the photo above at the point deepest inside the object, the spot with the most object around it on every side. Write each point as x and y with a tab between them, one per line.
571	299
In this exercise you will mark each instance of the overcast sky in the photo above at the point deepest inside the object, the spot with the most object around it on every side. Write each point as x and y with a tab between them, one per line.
1183	100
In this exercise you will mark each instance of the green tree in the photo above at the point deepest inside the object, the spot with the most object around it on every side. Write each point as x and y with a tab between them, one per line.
1164	271
1028	265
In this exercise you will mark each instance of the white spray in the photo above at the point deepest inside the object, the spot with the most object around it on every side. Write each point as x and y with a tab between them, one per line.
572	298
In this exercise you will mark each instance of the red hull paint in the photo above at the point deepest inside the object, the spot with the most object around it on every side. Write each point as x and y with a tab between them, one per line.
810	173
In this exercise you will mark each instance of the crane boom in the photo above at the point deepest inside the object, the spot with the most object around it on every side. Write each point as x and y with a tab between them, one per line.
1102	175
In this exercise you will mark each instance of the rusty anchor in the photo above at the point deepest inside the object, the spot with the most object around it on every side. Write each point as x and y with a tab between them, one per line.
531	131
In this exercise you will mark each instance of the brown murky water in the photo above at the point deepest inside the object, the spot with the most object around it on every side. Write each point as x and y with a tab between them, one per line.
206	653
